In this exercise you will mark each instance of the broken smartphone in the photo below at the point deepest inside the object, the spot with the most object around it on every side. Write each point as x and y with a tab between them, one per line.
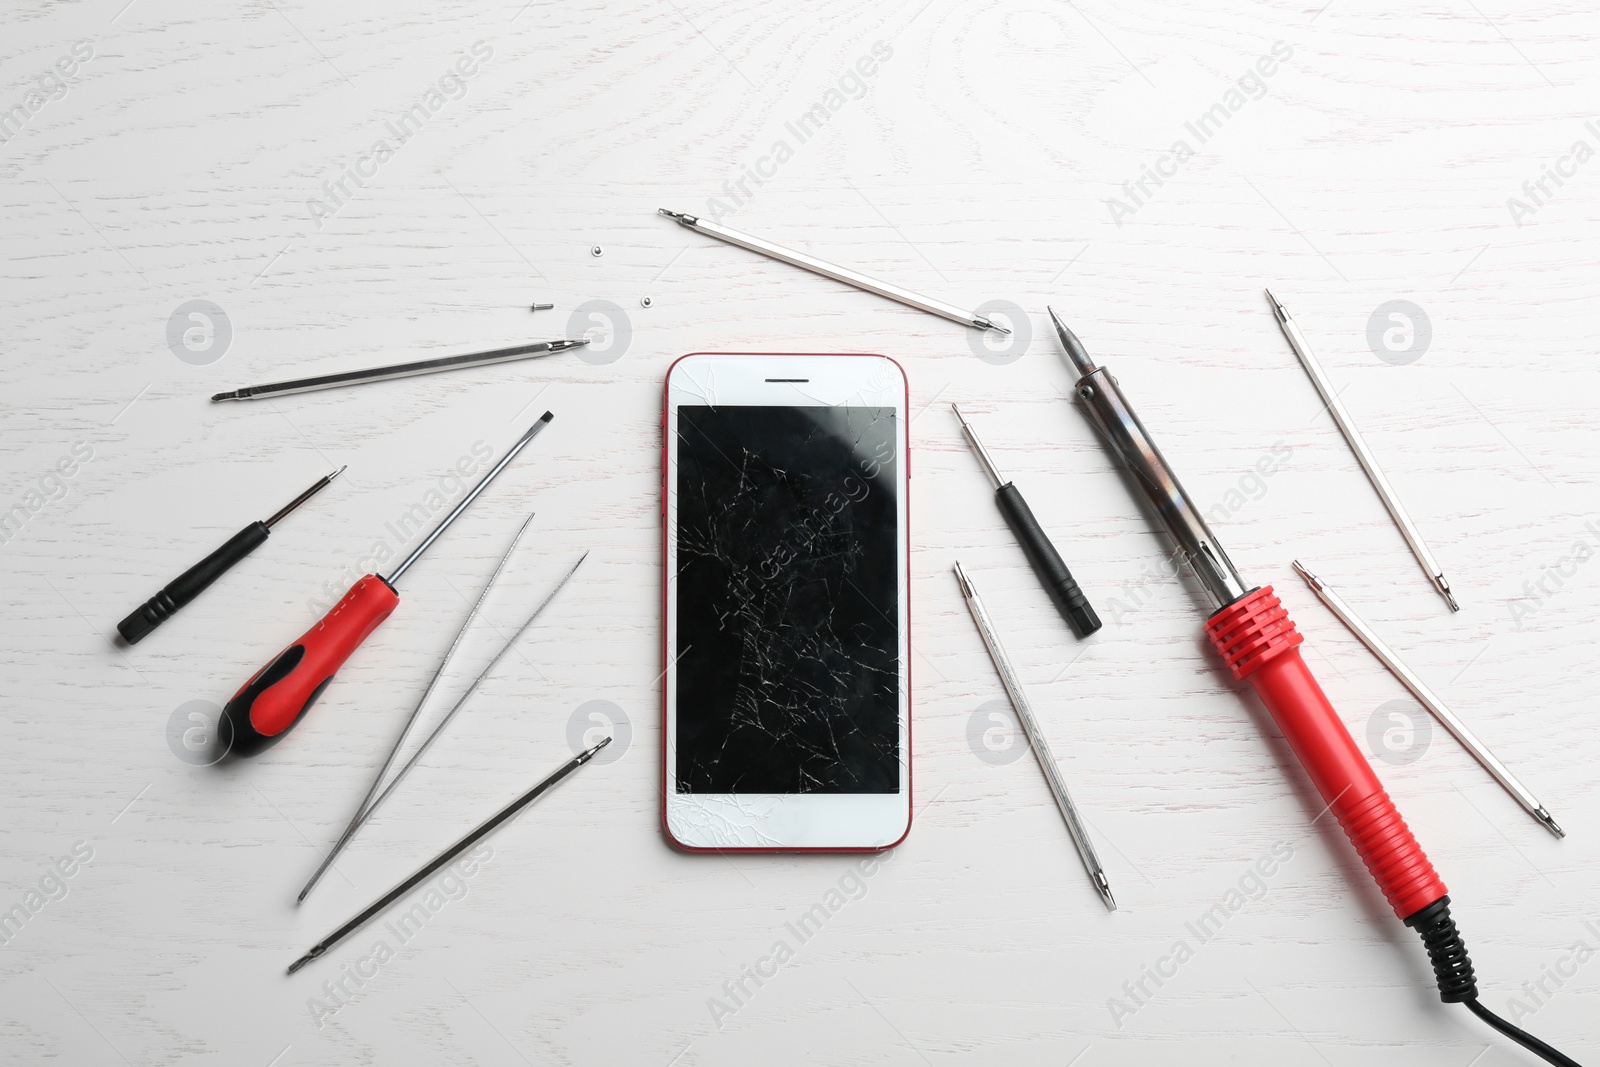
786	705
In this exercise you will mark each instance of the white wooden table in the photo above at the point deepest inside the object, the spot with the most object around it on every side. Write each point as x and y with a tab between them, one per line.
994	152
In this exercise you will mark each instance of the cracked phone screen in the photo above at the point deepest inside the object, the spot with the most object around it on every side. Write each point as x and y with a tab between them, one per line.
788	676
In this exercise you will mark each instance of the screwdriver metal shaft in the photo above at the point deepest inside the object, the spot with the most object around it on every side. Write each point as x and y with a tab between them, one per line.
1036	739
278	695
1364	456
1458	729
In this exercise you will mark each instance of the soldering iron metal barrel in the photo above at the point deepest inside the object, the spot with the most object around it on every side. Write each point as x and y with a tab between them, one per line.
1115	418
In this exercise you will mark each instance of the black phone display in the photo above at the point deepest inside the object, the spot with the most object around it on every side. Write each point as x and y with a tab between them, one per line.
786	592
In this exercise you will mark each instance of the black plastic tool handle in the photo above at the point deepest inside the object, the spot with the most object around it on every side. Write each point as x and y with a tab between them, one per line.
191	583
1058	581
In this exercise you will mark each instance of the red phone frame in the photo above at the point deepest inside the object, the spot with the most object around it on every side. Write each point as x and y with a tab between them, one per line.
665	579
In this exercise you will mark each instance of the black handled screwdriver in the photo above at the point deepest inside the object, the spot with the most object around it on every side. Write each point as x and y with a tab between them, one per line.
192	582
1058	581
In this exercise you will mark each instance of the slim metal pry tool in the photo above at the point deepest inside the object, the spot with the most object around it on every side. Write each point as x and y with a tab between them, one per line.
806	261
1364	456
1036	739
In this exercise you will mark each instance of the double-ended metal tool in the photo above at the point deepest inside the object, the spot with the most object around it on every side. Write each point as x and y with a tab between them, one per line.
1042	555
1258	643
438	862
1458	729
1364	456
194	581
1036	739
278	695
399	370
806	261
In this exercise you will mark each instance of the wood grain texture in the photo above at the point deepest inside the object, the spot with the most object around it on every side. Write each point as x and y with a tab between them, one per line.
977	163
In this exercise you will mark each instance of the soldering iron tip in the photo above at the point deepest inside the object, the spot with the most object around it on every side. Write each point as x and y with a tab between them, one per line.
1549	823
1069	340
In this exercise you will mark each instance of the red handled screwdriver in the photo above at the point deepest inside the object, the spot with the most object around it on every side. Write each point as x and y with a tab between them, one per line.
1255	637
279	694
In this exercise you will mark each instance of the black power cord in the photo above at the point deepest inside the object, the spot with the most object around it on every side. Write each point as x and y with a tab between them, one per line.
1452	970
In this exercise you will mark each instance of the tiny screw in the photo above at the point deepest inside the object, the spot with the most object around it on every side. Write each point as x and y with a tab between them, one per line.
597	251
541	307
645	301
1087	392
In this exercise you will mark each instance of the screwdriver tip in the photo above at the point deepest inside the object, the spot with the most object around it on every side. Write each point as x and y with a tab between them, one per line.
303	960
989	324
1444	589
1549	823
1104	888
1311	579
338	472
232	395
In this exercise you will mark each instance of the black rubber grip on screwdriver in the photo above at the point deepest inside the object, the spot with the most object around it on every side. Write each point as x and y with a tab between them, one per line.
191	583
1058	581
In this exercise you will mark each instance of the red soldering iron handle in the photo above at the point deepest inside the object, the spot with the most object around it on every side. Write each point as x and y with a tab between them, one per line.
279	694
1259	643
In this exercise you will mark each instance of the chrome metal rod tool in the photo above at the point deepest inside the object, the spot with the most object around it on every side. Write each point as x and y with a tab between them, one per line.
405	730
1429	700
1036	739
398	370
1042	555
439	861
811	263
1364	456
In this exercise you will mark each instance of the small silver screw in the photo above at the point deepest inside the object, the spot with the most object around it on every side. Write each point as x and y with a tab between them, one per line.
541	307
645	301
597	251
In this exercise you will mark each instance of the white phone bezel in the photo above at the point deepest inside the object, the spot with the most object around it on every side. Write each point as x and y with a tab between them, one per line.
762	821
